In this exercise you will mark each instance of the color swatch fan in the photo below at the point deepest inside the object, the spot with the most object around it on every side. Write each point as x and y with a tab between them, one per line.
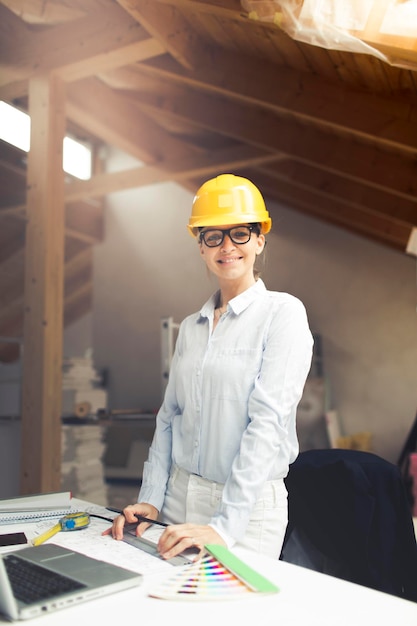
219	575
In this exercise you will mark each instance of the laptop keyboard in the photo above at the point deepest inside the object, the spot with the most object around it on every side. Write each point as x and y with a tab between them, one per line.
31	582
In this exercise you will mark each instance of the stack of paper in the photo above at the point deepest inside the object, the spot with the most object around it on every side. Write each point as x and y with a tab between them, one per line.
82	392
79	373
35	507
82	466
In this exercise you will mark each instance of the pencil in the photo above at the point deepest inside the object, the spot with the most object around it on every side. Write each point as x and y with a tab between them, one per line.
140	518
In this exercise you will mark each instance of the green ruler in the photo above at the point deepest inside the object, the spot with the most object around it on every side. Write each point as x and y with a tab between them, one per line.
241	570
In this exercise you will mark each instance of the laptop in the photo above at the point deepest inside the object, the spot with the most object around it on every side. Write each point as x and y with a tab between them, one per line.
38	580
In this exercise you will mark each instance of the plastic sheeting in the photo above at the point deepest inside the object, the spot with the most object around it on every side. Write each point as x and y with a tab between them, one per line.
343	25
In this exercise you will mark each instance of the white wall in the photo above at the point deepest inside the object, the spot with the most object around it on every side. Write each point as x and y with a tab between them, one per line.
360	297
78	337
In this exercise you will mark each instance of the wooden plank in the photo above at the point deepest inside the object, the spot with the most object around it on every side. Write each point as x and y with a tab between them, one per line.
15	89
355	160
302	95
57	46
11	279
375	227
349	192
167	26
231	9
13	31
118	122
85	225
12	312
77	307
40	469
41	12
18	211
84	220
132	53
175	169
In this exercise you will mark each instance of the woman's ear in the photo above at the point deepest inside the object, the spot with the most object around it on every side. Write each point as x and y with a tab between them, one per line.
261	243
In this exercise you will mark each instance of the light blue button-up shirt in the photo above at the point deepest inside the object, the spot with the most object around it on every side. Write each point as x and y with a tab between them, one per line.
230	405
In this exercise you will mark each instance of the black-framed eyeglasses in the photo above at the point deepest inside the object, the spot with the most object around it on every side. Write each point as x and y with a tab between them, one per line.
214	237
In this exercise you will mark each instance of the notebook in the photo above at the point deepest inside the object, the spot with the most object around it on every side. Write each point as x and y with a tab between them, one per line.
35	507
54	577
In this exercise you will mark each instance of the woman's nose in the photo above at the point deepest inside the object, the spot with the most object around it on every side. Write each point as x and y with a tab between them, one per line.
227	243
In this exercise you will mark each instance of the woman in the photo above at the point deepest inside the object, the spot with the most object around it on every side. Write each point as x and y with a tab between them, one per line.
226	433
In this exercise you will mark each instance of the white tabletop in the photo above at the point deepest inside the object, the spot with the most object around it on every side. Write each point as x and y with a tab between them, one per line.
306	598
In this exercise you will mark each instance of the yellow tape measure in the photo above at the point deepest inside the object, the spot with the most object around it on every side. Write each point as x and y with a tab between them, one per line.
72	521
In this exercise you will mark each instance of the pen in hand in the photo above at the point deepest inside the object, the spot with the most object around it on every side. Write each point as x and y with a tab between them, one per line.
140	518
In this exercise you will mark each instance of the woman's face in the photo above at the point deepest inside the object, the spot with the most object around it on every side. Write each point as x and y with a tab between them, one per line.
231	260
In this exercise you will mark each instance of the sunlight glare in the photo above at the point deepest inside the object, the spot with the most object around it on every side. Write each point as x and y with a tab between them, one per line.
15	129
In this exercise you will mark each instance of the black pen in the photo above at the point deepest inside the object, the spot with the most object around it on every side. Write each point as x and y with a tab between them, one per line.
140	518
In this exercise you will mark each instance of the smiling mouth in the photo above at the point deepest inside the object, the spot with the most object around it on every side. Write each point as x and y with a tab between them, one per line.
229	260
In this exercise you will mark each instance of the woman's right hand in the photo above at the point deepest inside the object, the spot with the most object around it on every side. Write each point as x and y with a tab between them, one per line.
128	516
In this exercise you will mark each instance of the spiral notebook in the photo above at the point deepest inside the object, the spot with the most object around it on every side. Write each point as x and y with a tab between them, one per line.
35	507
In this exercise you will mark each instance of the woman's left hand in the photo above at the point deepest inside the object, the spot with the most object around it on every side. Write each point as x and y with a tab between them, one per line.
179	537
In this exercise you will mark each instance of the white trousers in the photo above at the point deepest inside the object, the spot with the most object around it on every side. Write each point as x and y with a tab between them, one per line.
190	498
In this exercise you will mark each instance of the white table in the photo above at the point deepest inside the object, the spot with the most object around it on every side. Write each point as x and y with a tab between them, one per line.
306	598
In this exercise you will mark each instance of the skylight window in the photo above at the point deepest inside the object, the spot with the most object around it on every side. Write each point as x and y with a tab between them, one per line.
15	129
14	126
77	158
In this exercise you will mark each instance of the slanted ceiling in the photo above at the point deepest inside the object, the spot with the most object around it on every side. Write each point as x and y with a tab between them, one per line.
193	88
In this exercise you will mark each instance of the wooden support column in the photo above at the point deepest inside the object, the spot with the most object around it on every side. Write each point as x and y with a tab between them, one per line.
40	462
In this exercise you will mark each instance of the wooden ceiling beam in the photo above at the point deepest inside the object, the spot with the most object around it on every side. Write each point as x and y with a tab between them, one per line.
83	225
11	316
375	227
13	31
78	305
354	160
12	303
77	261
166	25
118	122
11	310
125	55
231	9
84	221
100	33
174	169
83	289
44	11
11	278
18	211
388	121
334	186
77	283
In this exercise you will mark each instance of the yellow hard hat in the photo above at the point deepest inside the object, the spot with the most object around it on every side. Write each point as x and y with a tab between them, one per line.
228	199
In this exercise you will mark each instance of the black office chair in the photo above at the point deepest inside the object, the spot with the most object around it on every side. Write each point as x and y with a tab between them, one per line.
349	517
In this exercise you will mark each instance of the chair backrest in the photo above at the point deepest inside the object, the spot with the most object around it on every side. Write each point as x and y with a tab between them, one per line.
349	516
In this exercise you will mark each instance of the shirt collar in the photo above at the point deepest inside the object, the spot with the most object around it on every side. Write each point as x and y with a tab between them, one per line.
237	304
